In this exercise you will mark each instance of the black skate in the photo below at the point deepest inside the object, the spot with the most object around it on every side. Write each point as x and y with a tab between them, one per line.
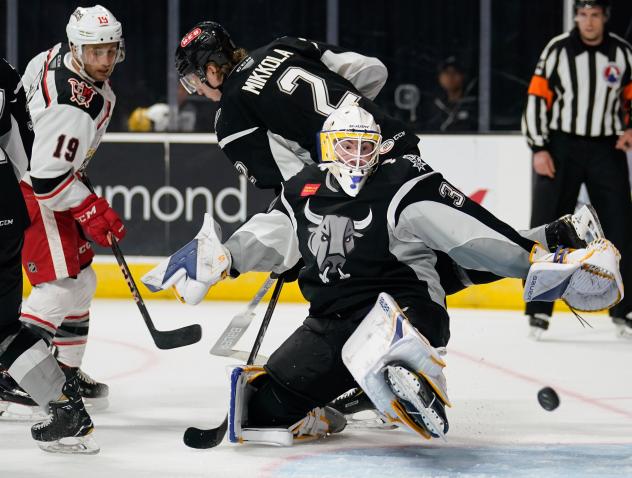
15	403
417	406
538	323
574	231
68	428
623	326
359	410
95	394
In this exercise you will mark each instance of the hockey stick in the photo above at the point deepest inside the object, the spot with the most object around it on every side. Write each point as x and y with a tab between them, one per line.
223	347
201	439
164	339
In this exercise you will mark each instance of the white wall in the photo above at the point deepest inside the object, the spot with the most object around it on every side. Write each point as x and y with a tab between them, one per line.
500	164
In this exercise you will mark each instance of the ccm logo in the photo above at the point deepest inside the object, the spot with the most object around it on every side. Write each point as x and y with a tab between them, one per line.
87	215
6	222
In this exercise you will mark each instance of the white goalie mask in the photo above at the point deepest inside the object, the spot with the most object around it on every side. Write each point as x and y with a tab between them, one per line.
350	147
94	26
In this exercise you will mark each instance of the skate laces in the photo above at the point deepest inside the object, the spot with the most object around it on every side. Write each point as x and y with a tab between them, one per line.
84	377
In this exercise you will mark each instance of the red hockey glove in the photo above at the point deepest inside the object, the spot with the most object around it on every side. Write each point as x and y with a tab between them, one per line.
97	219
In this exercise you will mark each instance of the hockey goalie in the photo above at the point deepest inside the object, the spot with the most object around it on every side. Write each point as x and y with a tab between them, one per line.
369	233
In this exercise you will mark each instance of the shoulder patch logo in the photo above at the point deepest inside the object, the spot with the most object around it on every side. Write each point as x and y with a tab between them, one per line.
310	189
416	161
612	74
82	94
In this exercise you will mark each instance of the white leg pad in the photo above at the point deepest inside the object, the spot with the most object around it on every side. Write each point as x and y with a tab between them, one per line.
386	336
241	391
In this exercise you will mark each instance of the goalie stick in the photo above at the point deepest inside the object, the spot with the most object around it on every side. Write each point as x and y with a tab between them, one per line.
201	439
164	339
223	347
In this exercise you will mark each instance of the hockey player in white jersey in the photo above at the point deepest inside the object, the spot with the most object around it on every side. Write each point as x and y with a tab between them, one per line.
367	232
24	356
71	103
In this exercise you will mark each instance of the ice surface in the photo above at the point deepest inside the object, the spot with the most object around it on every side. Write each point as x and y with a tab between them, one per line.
497	427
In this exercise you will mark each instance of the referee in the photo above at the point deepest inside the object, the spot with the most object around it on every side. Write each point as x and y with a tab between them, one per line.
577	123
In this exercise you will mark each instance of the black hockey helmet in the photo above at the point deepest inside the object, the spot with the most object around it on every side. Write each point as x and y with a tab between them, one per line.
604	4
206	42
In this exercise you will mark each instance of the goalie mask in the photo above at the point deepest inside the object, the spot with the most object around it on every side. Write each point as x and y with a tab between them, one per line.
206	42
350	147
96	41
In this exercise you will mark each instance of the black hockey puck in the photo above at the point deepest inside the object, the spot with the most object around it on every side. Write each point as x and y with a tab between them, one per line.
548	399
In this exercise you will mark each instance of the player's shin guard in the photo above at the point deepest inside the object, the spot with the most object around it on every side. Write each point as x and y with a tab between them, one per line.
398	369
318	423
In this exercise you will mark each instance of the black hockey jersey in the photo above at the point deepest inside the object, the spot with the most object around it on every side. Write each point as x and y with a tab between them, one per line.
384	240
16	141
275	102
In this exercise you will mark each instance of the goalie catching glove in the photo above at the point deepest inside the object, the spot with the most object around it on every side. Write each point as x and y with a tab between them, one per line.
586	279
194	268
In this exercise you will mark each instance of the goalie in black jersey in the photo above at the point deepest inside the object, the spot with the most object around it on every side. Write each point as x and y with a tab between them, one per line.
272	104
368	232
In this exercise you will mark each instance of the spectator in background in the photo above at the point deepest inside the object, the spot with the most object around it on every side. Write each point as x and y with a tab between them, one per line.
195	115
454	108
578	126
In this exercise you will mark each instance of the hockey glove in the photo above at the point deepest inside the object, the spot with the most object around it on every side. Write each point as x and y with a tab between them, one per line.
194	268
97	219
586	279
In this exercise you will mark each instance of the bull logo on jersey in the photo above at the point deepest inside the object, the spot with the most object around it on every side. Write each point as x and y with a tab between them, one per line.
332	239
612	74
82	94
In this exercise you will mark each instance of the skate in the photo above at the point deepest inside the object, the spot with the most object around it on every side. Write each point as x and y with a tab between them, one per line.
418	406
623	326
538	324
318	423
95	394
15	403
574	230
359	410
68	428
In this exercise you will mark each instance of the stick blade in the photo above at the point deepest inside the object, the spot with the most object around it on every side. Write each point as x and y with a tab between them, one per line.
204	439
172	339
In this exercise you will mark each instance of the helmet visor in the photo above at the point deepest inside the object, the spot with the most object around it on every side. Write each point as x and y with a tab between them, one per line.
191	82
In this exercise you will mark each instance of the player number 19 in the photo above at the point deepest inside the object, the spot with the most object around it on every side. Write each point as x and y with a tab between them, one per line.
70	149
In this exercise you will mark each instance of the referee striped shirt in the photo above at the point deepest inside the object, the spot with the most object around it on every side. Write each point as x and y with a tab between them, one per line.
579	89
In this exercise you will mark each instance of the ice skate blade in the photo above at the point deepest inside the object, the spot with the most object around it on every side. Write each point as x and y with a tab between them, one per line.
85	445
535	333
14	412
96	404
623	332
367	420
406	386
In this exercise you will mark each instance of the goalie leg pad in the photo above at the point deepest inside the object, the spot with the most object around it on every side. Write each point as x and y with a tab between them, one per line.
384	345
241	391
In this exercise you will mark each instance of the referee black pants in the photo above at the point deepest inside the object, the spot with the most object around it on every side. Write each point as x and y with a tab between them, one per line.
604	169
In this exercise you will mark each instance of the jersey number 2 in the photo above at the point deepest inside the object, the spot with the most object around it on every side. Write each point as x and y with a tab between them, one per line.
288	82
71	148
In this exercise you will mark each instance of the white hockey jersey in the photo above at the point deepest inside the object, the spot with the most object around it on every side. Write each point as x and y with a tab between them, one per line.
70	115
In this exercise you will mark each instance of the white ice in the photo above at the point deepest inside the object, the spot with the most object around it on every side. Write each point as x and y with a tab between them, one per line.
494	372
